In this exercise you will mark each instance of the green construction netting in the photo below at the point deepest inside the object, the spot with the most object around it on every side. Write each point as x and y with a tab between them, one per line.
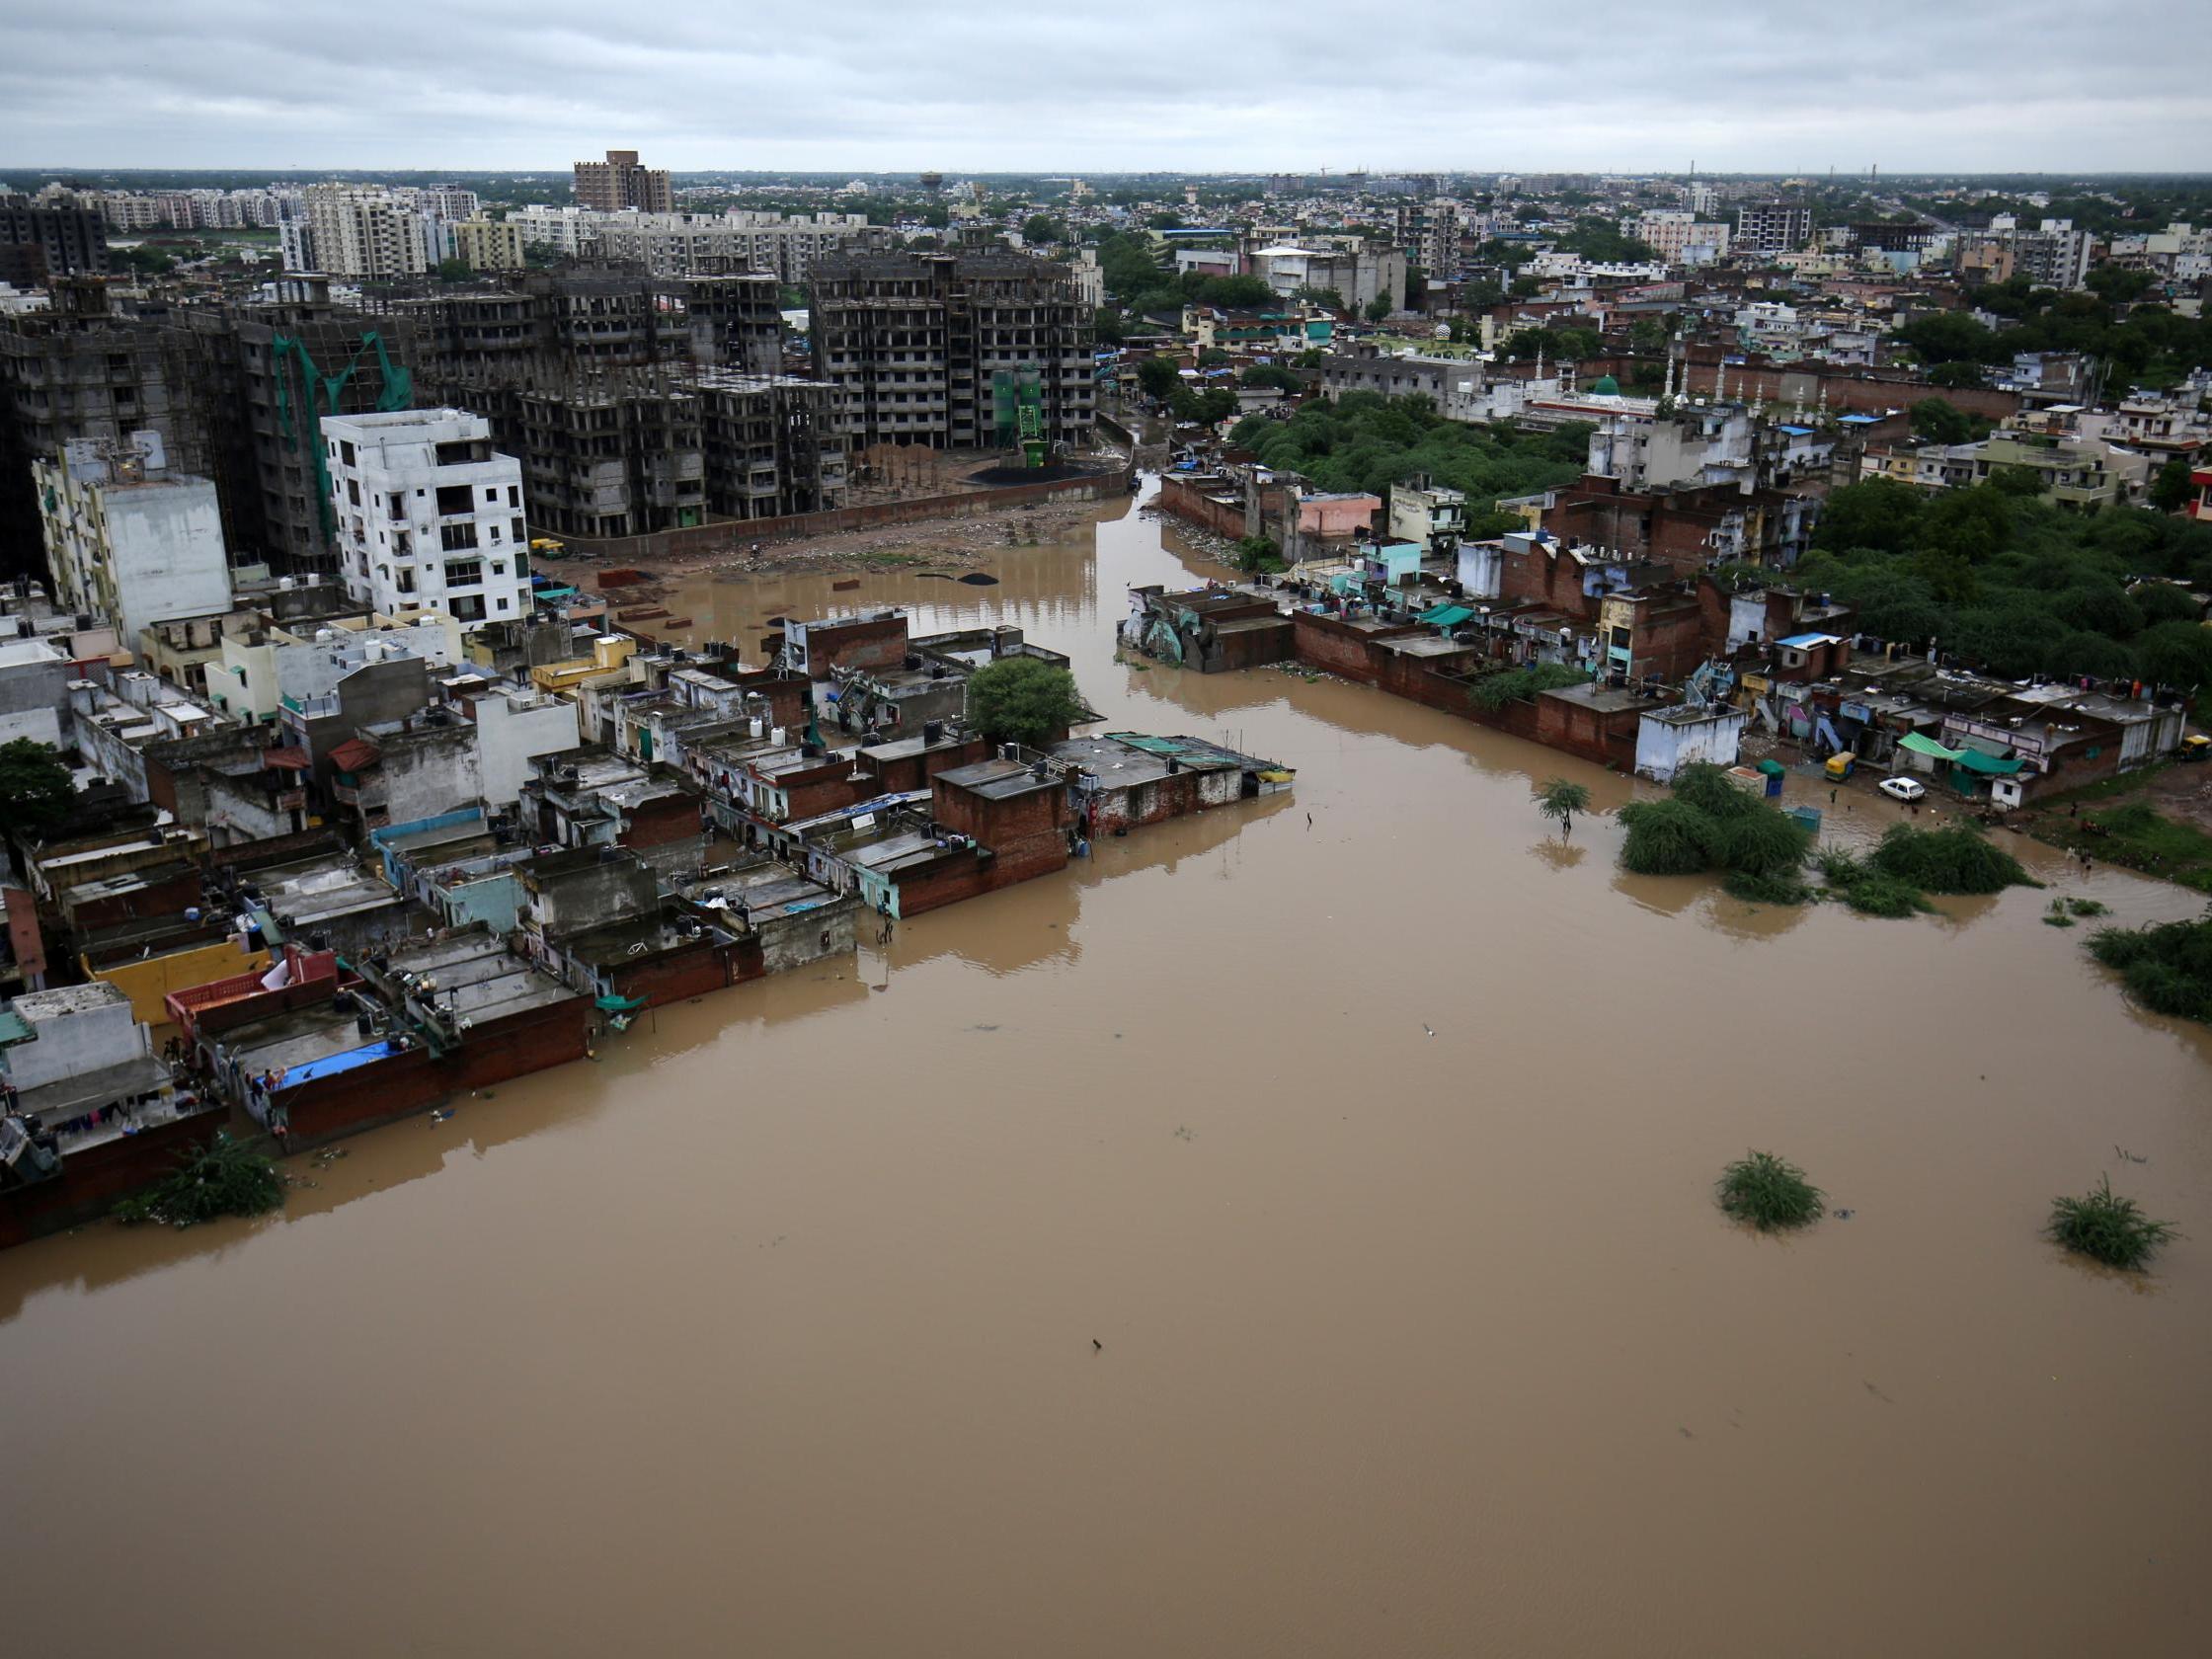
1927	745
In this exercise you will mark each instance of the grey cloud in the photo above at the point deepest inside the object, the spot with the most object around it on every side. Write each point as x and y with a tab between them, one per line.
868	84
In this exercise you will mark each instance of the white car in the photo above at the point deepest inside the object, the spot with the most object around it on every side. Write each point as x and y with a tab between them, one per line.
1903	789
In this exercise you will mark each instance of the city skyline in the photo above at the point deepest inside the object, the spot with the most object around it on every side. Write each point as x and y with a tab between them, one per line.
1969	89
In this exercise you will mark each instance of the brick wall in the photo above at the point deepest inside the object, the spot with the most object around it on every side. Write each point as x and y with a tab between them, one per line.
92	1181
729	536
673	974
1187	499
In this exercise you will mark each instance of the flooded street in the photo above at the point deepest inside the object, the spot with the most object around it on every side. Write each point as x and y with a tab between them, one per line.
772	1332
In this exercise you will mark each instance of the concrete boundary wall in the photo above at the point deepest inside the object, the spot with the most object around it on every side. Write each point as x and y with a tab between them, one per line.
732	534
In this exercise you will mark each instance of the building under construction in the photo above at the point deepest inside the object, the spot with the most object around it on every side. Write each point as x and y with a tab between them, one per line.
599	379
84	368
263	374
923	347
772	446
596	379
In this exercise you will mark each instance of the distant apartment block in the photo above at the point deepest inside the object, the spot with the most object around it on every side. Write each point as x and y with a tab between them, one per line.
353	232
1681	238
619	182
915	344
429	516
1773	227
38	241
487	245
129	539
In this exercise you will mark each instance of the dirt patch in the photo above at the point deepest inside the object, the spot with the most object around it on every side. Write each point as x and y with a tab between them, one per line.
950	545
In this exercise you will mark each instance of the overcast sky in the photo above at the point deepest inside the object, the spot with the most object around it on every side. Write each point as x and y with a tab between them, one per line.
1432	85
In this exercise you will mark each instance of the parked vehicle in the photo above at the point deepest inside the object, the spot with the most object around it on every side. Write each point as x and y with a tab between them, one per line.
2197	747
1840	766
1903	788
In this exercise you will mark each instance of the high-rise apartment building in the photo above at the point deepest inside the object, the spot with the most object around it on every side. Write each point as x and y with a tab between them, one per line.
67	238
1773	227
618	182
915	344
429	516
353	232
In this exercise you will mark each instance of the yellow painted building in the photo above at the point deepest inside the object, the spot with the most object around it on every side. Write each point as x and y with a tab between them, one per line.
146	982
608	653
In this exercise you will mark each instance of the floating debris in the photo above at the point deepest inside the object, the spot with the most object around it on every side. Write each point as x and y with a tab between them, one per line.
977	578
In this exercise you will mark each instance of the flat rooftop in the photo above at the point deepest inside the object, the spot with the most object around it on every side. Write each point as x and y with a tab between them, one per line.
999	780
1605	700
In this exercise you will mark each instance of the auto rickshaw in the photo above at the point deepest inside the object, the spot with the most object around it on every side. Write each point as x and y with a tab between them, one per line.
1840	767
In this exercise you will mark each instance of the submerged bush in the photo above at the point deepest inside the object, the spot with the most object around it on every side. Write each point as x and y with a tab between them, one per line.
1758	888
1708	824
1883	895
225	1179
1839	867
2108	1227
1707	787
1493	691
1772	1196
2166	966
1764	842
1665	838
1957	858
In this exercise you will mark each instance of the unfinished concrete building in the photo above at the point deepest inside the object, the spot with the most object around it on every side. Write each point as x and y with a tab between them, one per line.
265	374
913	343
772	446
612	456
81	369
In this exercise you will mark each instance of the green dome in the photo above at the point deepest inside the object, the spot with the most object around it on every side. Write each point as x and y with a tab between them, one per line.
1607	386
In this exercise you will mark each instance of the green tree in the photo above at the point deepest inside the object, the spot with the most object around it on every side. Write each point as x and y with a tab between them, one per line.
1159	377
1023	699
1378	307
2021	482
1560	799
2163	602
454	271
2171	488
1949	336
148	261
1970	524
35	792
1959	376
2119	285
1043	227
1881	514
1942	421
2175	653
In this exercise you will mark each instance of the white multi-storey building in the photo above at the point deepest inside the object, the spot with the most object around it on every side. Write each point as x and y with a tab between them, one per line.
353	232
429	516
1681	238
129	540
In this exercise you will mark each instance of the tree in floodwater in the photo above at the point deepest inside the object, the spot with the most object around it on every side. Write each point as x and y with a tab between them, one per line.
1024	701
226	1178
1561	799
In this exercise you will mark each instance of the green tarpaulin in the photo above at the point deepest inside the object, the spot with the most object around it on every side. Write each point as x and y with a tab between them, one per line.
1974	761
1447	616
1927	745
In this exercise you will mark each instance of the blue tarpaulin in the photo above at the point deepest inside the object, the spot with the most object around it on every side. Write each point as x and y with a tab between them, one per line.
331	1065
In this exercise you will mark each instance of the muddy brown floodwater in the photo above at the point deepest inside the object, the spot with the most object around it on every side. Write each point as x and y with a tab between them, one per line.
772	1333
